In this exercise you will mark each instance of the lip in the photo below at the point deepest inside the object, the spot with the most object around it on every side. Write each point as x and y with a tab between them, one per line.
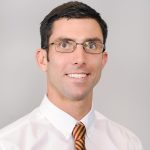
75	75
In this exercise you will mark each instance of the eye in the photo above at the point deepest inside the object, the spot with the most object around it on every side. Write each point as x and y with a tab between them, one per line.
91	45
64	44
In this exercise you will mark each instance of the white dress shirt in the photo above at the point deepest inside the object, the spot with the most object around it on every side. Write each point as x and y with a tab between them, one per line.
49	128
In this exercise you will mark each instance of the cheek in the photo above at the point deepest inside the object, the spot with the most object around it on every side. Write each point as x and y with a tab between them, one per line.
97	68
57	64
97	63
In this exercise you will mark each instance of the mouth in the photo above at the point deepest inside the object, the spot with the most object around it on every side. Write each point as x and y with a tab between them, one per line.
77	75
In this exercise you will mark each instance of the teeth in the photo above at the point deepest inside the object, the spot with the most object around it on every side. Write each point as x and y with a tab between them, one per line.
78	76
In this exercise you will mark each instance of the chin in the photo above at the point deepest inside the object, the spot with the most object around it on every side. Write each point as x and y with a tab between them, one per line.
78	96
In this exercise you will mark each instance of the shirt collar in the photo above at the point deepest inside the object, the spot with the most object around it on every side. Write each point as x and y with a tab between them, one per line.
61	120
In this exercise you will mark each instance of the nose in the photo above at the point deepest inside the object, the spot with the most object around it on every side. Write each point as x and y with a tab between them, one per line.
79	55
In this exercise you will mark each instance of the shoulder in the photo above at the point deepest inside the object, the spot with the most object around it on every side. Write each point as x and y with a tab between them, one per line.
14	128
118	133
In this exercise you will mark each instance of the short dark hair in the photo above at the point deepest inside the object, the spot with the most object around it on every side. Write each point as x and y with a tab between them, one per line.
72	9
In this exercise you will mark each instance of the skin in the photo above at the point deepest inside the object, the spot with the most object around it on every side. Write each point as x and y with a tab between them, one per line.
72	95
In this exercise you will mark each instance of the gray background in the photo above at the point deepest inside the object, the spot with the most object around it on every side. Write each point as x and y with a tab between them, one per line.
123	94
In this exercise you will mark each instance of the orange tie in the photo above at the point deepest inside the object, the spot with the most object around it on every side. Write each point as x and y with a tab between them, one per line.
79	136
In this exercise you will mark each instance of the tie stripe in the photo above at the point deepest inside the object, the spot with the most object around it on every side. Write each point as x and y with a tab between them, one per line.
79	146
79	136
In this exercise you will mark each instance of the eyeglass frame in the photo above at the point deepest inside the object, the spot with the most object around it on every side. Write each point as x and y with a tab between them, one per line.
57	42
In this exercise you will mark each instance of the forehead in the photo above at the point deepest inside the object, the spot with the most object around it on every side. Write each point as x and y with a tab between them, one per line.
77	29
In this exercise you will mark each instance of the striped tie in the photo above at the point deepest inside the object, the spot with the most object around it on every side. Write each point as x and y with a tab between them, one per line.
79	136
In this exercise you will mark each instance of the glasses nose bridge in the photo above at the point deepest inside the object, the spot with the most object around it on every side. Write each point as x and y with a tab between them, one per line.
76	44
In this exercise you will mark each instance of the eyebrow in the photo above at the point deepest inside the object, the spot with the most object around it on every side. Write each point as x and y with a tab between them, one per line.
93	39
87	39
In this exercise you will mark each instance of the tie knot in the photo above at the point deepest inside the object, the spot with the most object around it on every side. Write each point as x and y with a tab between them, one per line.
79	131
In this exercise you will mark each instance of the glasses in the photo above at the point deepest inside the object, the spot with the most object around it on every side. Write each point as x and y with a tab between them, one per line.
68	46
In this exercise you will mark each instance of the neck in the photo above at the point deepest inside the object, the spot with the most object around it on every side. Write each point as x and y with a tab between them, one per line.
76	108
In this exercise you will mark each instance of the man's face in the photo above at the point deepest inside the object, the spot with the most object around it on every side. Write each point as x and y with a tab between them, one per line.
73	75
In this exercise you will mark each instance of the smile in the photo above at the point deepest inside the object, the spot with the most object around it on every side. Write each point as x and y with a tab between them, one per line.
77	75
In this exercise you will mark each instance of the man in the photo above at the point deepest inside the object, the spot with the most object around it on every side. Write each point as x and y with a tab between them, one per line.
72	54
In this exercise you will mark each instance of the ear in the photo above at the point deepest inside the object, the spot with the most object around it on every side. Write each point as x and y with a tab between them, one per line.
41	58
104	59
